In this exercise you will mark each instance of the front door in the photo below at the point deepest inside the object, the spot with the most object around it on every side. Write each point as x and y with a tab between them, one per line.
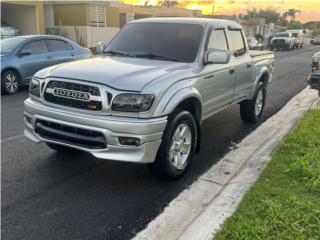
217	84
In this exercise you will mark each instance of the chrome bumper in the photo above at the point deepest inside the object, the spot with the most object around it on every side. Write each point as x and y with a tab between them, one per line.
149	131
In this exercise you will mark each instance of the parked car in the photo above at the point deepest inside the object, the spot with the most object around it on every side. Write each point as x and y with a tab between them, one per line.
254	44
315	40
145	99
22	56
298	37
7	31
314	77
283	40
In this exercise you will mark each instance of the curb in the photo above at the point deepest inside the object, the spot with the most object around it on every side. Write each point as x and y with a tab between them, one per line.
198	212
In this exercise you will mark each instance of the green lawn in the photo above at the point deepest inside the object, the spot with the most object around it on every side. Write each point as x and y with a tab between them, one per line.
285	202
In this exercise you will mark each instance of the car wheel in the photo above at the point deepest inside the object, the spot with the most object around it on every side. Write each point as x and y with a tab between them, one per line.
60	148
9	82
177	148
251	110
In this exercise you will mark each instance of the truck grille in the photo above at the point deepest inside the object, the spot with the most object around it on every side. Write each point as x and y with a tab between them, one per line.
278	41
70	135
73	95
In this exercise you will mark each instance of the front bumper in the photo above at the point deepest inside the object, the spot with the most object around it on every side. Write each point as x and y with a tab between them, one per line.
148	131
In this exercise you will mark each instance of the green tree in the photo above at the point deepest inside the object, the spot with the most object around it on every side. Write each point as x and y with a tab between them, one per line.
291	13
271	15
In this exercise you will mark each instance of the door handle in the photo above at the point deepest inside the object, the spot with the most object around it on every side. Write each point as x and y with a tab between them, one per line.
49	57
249	65
231	70
72	54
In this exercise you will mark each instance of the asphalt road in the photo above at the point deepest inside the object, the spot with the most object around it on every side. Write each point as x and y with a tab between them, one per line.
47	195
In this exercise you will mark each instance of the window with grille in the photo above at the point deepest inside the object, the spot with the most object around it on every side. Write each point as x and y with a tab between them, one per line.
97	16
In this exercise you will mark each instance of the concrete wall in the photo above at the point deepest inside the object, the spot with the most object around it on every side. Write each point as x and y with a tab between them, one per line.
90	36
98	34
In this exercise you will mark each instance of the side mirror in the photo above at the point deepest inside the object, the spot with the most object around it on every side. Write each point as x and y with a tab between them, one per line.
217	56
100	47
25	52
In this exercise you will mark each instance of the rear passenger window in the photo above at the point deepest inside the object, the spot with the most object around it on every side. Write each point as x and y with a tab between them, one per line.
217	40
37	47
59	45
237	42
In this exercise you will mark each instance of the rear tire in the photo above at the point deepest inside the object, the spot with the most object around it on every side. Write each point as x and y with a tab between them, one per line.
9	82
177	148
251	110
60	148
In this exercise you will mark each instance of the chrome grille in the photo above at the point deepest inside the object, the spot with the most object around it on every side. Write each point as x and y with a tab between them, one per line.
70	94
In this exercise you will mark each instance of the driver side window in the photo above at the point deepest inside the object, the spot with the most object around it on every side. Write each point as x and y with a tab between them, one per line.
217	40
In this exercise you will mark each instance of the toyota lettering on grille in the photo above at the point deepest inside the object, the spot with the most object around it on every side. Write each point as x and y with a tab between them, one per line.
60	92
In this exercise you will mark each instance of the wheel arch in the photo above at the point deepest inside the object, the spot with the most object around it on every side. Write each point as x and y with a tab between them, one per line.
187	99
15	70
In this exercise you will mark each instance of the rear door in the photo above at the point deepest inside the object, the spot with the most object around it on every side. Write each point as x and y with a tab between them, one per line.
60	51
218	80
243	64
37	60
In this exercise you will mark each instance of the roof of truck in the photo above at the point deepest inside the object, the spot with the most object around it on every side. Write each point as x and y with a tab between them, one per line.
190	20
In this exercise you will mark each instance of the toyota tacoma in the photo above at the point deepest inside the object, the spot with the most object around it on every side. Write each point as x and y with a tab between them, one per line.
145	98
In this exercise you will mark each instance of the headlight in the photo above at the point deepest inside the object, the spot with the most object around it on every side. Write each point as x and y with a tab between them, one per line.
133	102
34	88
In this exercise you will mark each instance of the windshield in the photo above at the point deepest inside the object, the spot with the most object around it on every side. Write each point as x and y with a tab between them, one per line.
9	44
282	35
163	41
294	34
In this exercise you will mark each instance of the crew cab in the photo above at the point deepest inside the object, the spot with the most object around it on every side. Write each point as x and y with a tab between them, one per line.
144	100
314	77
283	41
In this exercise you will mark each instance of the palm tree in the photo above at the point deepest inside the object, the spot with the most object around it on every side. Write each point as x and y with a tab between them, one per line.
291	13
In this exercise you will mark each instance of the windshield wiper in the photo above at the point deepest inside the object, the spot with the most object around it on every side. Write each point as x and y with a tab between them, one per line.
111	52
155	56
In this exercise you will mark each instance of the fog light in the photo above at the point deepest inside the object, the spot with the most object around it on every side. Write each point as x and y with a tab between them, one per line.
130	141
27	119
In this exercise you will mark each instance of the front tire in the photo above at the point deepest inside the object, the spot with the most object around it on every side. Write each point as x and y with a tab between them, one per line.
9	82
251	110
177	148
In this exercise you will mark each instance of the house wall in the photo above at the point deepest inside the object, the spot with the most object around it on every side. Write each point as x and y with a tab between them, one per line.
71	14
112	15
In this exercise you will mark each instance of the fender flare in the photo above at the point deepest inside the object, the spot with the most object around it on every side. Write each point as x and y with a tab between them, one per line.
264	70
172	102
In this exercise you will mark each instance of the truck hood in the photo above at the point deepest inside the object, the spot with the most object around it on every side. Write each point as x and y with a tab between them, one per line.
117	72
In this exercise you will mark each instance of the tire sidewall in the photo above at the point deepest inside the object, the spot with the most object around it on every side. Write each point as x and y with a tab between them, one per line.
264	92
178	118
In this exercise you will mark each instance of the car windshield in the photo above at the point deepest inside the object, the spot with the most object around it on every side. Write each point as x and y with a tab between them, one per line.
282	35
295	34
9	44
161	41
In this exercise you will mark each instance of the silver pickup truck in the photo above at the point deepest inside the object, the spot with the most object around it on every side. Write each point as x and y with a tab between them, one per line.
144	100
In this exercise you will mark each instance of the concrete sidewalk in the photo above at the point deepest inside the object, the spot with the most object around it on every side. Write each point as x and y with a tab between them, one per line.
199	211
